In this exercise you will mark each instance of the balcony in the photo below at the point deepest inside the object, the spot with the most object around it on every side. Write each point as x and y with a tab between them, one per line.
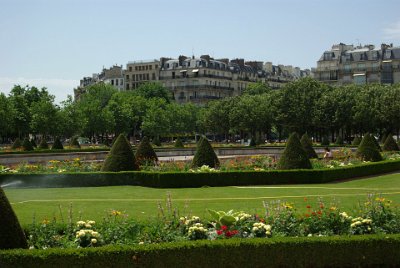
203	87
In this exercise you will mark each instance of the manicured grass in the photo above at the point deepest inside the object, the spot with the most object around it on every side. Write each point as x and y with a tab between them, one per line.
141	203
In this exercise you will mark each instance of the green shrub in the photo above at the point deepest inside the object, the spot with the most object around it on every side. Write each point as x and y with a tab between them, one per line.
390	144
307	146
74	143
294	156
367	149
33	143
252	142
26	145
57	145
325	141
11	234
376	143
145	153
356	141
120	157
17	144
340	251
383	138
179	143
156	141
205	155
43	144
339	141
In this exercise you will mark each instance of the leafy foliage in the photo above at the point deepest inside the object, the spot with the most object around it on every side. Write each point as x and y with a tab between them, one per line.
205	155
17	144
356	141
339	140
57	144
307	146
294	156
74	143
26	145
145	153
390	144
43	144
179	143
11	234
367	149
325	141
120	157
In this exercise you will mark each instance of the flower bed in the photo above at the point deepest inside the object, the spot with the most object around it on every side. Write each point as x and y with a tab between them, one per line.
376	215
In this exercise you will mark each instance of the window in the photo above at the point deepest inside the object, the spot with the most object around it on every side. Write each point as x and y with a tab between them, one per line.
147	77
127	77
116	82
112	81
136	68
173	75
147	67
153	76
127	86
359	79
150	67
130	68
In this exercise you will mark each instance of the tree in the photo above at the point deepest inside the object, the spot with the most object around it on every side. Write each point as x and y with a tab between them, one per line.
367	149
6	115
390	144
44	117
257	89
120	157
57	145
356	141
70	118
154	90
43	144
74	143
17	144
294	156
179	143
339	141
325	141
26	145
11	233
307	146
205	155
155	121
145	154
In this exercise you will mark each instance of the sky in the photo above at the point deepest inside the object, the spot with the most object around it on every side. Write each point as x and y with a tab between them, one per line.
54	43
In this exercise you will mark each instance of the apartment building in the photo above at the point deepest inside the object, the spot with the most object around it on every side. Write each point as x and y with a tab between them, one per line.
196	80
346	64
138	72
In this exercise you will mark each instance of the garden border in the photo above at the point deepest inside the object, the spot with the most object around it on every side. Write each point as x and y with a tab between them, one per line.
339	251
197	179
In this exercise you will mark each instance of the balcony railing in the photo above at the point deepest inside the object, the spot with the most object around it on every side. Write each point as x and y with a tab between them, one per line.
203	87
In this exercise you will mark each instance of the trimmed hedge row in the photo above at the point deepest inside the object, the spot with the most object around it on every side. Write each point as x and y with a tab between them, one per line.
354	251
189	179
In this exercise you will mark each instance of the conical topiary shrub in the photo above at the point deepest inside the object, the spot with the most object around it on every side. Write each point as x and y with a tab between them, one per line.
74	143
307	146
367	149
26	145
33	143
252	142
205	155
17	144
43	144
376	143
294	156
356	141
383	139
325	141
390	144
339	140
57	145
120	157
179	143
156	141
11	233
145	154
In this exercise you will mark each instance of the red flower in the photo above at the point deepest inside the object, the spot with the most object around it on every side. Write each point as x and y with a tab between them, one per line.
308	206
321	206
319	212
224	228
313	213
307	215
219	232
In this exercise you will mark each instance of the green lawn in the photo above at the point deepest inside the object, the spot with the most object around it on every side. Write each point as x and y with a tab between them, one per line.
139	202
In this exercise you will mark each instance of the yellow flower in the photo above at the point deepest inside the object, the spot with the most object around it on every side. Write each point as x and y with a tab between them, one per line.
380	199
45	221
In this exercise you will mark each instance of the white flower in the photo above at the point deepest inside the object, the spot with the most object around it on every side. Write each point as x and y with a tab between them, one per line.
93	240
141	243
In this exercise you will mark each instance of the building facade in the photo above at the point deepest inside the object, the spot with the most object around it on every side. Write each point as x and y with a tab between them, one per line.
346	64
196	80
139	72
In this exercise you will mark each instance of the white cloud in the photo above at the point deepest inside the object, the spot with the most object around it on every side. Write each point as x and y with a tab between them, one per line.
60	88
392	32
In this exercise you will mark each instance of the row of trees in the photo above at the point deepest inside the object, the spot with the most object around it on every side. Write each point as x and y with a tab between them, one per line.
301	106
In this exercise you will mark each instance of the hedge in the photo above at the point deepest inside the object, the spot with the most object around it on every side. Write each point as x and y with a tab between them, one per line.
350	251
190	179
